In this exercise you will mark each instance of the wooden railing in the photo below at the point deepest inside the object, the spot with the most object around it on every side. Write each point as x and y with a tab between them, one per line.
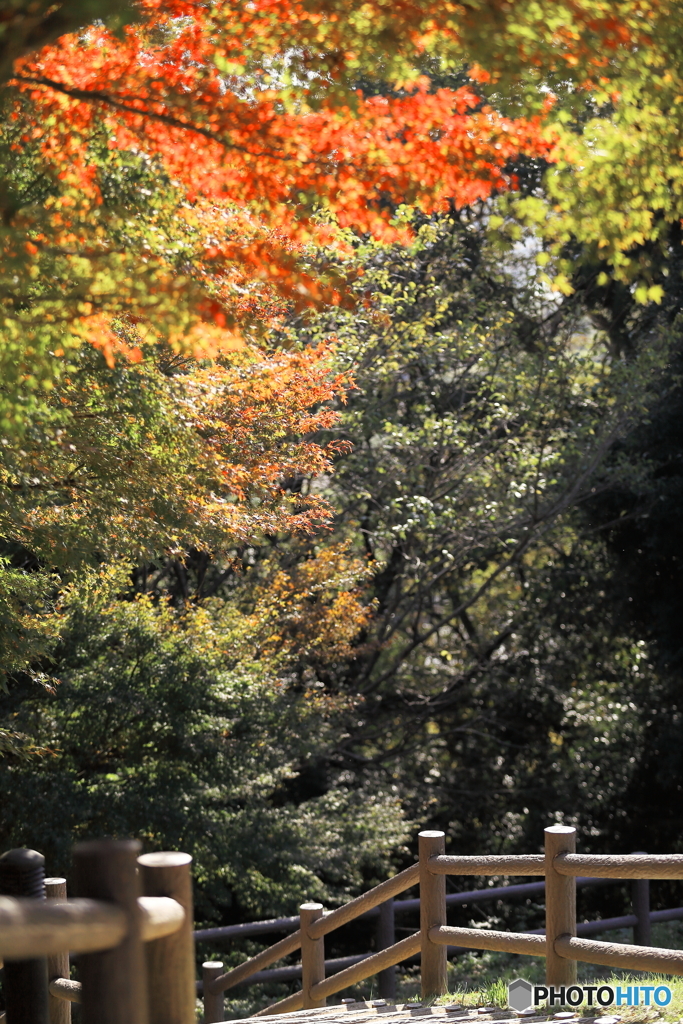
561	947
384	917
132	929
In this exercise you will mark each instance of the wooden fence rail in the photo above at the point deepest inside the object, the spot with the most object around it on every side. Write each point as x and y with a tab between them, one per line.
586	928
636	865
385	930
561	947
132	927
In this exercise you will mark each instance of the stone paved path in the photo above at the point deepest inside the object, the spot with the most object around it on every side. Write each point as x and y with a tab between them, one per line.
351	1012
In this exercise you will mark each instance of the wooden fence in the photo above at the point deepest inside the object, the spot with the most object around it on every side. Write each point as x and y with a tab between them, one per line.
132	929
559	865
384	917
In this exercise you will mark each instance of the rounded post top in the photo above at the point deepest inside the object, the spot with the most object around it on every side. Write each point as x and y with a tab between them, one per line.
311	906
212	965
23	858
563	830
431	833
165	859
22	873
55	881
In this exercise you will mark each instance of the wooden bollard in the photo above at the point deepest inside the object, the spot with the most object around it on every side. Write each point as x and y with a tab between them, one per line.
312	955
114	981
560	905
22	873
57	966
213	1001
434	963
170	961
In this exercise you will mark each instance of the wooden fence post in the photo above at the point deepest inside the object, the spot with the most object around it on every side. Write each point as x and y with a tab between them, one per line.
640	897
312	955
213	1001
114	981
57	966
386	937
22	873
170	961
434	964
560	905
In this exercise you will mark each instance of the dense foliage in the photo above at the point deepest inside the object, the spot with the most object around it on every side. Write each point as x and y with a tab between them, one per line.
180	727
501	681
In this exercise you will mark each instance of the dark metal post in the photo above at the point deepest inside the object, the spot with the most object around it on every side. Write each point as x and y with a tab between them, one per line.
386	937
640	896
22	873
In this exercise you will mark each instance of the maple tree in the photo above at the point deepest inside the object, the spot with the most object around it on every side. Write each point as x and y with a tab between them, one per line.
27	26
177	180
254	154
164	454
259	161
269	147
168	187
234	112
607	75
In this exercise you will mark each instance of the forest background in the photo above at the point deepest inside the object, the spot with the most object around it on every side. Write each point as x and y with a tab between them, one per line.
341	450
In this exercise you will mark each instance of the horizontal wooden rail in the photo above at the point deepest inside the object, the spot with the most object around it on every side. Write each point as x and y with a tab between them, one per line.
329	922
531	864
275	952
341	963
615	954
370	899
236	931
501	942
607	924
366	968
65	988
670	914
34	928
293	971
634	865
161	916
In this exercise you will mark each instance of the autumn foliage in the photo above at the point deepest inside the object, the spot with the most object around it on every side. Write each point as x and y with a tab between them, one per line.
184	184
179	177
281	125
265	168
